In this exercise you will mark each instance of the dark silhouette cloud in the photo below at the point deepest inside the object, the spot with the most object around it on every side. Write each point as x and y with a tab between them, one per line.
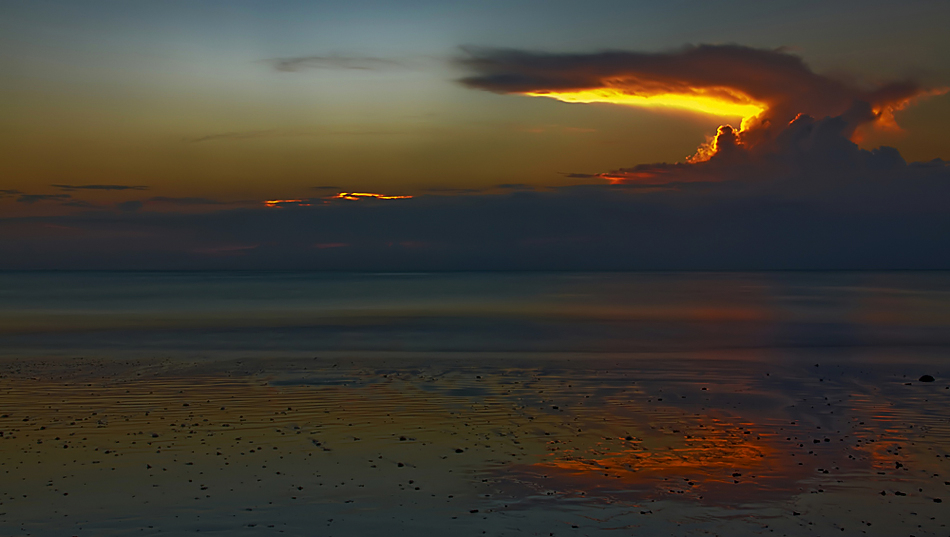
81	204
808	157
185	201
33	198
449	190
100	187
515	186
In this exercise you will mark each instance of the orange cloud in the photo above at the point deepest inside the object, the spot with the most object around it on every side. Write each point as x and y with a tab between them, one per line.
764	89
366	195
350	196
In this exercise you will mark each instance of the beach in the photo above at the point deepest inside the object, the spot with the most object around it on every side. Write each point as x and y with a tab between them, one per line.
157	428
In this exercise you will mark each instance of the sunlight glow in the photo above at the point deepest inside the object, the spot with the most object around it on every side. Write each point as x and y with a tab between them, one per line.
723	102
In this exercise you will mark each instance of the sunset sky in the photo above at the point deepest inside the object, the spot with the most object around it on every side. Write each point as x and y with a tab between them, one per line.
152	134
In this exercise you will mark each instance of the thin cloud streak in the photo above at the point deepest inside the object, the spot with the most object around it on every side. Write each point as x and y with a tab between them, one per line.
185	201
283	133
34	198
99	187
336	62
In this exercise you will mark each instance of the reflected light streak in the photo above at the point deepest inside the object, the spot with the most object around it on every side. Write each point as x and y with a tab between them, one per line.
709	460
714	452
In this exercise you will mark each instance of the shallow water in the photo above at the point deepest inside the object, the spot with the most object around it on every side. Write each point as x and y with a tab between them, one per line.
203	314
565	404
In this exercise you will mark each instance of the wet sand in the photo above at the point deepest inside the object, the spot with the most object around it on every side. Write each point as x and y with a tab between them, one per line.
715	443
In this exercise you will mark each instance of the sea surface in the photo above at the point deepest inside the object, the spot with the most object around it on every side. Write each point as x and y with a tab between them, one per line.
257	403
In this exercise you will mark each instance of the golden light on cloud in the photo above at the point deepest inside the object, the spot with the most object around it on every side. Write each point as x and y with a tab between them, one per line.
767	88
366	195
351	196
884	113
722	102
282	203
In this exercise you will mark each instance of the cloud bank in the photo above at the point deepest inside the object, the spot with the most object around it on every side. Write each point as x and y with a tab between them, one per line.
841	208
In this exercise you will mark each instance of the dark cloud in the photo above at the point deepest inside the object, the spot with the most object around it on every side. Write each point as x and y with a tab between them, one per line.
129	206
515	186
10	192
100	187
777	80
80	204
448	190
186	201
33	198
357	63
808	157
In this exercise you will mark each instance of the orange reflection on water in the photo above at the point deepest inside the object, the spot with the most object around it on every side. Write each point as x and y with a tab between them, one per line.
708	460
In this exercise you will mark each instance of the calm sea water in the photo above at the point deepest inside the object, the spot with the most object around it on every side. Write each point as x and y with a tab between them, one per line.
181	313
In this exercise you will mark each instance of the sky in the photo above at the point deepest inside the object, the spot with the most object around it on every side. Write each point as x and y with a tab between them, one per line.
170	134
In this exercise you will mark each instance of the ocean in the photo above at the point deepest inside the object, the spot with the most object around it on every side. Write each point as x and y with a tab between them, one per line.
287	313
